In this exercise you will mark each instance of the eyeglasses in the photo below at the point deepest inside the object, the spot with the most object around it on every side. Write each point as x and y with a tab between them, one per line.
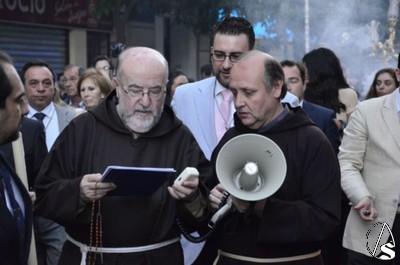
220	57
153	93
72	79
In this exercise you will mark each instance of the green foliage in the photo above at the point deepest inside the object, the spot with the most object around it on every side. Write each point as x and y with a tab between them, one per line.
104	8
199	15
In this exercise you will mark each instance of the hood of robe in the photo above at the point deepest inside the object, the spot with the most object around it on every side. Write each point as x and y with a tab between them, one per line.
294	119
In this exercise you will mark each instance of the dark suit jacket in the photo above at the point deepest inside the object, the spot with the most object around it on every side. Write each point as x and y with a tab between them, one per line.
33	136
324	119
9	245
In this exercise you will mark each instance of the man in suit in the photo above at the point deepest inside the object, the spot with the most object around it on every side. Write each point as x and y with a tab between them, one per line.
295	79
370	161
198	104
15	202
35	149
39	79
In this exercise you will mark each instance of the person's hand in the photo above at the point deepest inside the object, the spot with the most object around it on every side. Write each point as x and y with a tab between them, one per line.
188	191
338	123
218	196
32	194
366	209
91	188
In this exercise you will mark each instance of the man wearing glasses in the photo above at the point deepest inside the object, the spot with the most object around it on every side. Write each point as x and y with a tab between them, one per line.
131	127
104	63
206	106
200	105
39	80
70	83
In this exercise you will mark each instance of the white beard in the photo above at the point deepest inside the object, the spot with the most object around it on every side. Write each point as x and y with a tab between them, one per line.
137	121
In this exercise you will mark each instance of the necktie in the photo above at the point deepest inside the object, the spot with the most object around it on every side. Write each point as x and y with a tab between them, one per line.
5	178
223	115
39	116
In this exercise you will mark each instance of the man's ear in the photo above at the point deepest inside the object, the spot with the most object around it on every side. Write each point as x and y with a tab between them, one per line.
117	89
305	84
398	74
277	89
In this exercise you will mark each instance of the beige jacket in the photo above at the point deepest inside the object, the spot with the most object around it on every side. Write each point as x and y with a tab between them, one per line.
370	165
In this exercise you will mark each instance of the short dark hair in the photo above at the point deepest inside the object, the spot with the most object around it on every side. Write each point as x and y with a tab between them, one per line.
37	63
80	68
173	73
206	69
5	84
235	26
103	57
302	69
274	72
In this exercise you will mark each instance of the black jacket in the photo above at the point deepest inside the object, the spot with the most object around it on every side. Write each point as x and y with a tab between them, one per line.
10	253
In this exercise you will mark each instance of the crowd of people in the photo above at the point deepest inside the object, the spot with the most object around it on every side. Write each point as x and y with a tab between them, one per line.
342	157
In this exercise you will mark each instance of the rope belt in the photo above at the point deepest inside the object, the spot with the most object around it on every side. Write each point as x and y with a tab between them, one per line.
266	260
85	249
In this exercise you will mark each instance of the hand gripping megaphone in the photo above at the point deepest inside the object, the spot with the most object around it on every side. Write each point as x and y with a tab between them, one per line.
251	167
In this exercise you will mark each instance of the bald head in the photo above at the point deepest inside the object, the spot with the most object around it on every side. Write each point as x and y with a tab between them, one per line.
141	57
264	64
256	55
256	82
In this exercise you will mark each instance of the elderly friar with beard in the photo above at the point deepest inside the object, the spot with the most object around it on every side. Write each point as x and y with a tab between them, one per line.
132	127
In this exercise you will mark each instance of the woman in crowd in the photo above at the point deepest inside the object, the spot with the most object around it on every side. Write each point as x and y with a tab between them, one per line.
93	86
327	85
385	82
175	79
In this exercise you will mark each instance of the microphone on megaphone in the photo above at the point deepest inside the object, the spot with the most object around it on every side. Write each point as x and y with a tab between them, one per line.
239	160
248	179
250	167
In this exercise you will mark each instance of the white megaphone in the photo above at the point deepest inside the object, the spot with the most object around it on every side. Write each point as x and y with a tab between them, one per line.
251	167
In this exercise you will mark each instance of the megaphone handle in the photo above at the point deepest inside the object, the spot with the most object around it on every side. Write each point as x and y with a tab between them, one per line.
211	224
221	212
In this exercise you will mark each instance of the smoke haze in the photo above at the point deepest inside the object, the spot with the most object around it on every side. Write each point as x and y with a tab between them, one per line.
342	26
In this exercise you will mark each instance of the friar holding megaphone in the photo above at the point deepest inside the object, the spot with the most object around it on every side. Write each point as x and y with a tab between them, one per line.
277	176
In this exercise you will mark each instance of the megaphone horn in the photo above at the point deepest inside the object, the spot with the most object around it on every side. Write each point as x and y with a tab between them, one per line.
251	167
